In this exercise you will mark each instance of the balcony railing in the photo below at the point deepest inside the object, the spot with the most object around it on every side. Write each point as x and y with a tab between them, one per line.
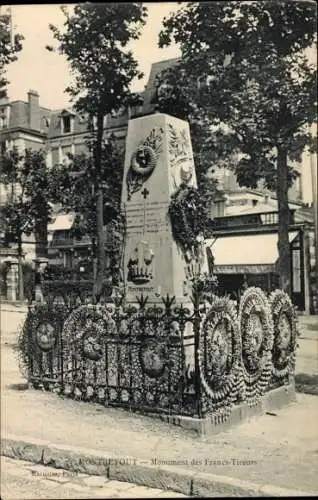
256	219
63	241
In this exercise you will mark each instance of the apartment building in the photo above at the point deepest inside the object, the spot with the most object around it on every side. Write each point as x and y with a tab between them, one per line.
27	124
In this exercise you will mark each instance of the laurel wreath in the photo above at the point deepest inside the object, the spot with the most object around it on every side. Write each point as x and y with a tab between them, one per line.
221	390
188	217
32	346
84	339
151	333
136	168
283	359
256	379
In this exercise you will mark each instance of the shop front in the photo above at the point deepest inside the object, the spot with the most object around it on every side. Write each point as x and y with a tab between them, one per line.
241	260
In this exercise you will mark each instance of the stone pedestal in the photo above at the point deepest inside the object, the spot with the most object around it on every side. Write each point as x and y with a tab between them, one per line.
12	279
158	159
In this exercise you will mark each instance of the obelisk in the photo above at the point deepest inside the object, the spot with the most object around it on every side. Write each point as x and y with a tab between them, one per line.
158	159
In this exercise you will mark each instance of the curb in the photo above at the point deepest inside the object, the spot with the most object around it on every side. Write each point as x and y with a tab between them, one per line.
19	310
136	471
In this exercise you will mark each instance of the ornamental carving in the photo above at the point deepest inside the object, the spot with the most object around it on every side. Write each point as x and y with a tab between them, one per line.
153	356
45	336
143	161
92	348
140	264
181	159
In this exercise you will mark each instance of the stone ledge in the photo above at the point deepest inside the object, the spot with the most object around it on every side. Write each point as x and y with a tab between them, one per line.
270	401
165	478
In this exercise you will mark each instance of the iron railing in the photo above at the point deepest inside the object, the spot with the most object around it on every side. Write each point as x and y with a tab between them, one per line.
162	358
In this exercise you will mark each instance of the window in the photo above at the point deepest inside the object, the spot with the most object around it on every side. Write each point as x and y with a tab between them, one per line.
298	187
45	122
296	262
68	259
3	147
3	121
66	124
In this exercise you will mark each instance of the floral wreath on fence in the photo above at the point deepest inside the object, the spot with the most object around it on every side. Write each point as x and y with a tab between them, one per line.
152	331
84	334
256	329
285	334
219	358
40	335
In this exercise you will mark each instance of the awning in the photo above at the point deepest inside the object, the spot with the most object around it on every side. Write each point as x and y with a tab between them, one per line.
62	222
257	253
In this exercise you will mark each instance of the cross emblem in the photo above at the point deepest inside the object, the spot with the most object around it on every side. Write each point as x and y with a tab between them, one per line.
145	193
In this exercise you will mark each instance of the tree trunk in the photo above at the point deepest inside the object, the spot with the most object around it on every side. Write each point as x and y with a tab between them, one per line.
99	207
20	269
283	221
41	238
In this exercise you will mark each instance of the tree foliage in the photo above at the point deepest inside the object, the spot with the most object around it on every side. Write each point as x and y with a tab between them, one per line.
9	47
28	189
250	79
95	42
177	94
74	187
27	205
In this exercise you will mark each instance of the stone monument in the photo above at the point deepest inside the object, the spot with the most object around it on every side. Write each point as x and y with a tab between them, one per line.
158	159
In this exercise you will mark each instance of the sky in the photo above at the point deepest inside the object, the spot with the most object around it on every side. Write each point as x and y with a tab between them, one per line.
48	73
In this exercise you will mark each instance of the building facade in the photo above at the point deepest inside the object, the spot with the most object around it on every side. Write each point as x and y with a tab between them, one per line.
27	124
24	125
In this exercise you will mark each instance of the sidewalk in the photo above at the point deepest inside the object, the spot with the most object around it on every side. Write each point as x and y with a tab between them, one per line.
273	451
20	479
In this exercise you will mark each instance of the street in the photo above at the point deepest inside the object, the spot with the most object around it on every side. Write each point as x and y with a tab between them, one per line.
276	443
307	352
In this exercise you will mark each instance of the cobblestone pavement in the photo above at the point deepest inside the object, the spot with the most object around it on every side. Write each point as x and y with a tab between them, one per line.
24	480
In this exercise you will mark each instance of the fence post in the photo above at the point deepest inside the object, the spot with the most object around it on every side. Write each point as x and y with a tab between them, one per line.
196	331
30	353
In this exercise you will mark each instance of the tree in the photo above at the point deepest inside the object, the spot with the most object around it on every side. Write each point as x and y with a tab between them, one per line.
177	94
27	206
254	85
9	47
74	187
95	44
